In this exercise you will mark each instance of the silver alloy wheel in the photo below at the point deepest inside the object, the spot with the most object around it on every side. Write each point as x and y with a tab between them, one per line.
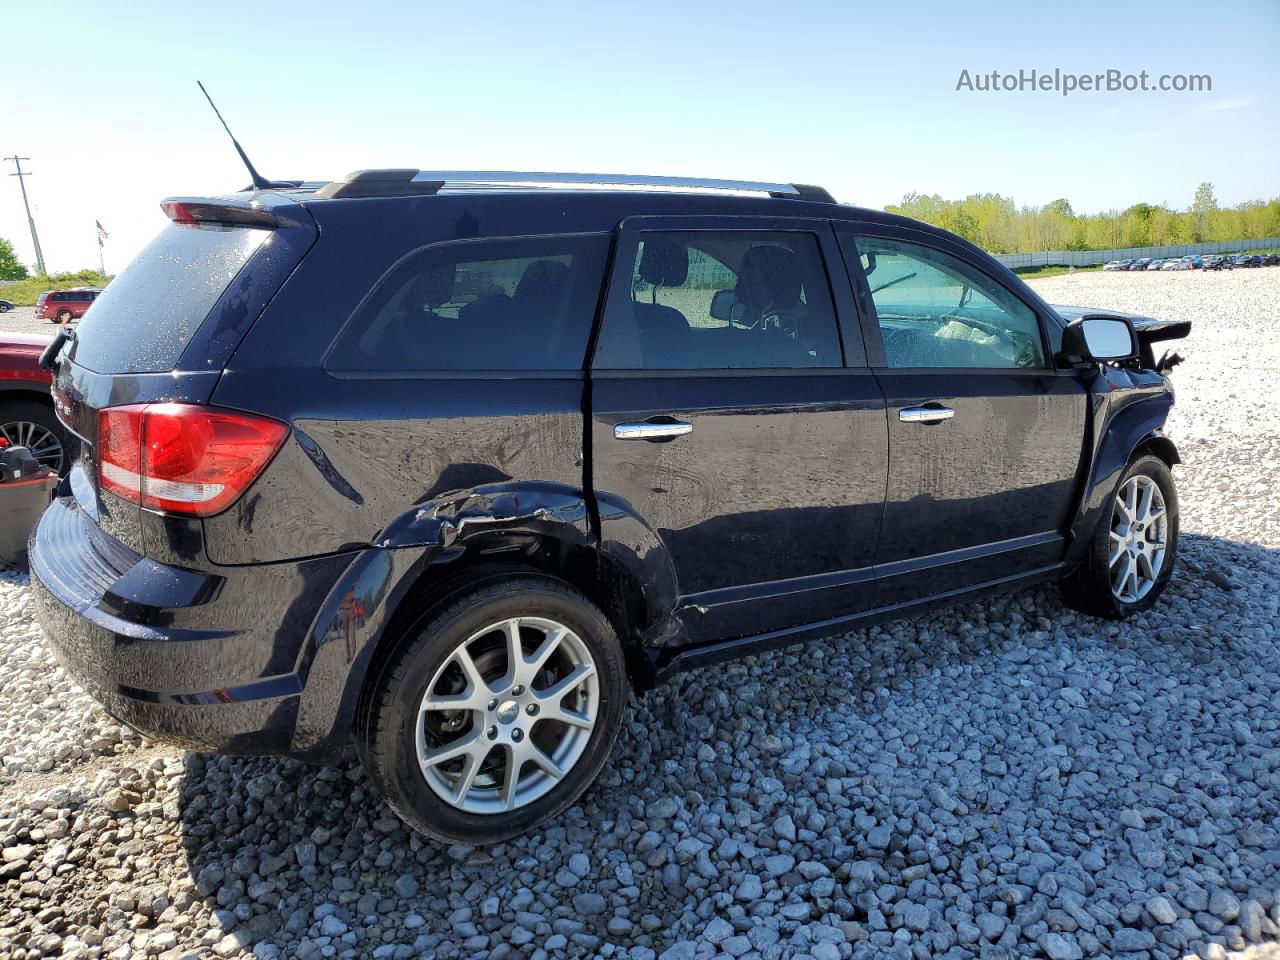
507	715
1139	538
41	441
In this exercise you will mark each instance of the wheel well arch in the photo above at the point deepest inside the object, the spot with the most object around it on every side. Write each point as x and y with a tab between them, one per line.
1159	446
37	394
600	578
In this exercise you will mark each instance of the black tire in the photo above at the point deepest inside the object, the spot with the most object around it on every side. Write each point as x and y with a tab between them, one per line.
64	317
5	308
386	734
17	412
1088	589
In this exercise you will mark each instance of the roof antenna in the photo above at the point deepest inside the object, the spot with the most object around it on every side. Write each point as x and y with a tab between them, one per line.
259	181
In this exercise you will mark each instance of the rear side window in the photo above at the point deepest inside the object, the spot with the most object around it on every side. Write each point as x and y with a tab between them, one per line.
520	303
719	300
143	321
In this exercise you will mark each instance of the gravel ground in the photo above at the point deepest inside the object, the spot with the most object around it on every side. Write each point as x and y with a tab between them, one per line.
23	320
1002	779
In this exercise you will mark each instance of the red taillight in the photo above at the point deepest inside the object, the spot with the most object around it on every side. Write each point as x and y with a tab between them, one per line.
181	458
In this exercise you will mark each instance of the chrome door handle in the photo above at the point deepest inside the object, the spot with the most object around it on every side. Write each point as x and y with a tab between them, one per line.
646	430
925	414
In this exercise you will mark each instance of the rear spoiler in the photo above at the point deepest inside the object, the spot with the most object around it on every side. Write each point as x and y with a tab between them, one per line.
231	213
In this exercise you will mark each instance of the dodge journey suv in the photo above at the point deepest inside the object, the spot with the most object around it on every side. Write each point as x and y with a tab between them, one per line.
443	464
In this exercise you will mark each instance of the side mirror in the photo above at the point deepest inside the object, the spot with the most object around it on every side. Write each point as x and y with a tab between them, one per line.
722	305
1100	339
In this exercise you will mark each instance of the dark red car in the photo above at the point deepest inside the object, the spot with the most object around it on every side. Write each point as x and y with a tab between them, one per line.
63	306
26	408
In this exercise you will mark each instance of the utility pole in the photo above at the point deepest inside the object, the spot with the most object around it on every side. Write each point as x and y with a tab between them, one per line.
35	238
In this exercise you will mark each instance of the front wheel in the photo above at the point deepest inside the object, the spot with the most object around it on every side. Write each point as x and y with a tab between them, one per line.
497	712
1131	557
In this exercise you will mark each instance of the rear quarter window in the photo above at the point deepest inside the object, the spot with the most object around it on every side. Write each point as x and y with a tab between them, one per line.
143	321
519	303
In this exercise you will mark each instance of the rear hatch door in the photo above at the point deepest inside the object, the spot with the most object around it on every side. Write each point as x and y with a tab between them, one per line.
162	331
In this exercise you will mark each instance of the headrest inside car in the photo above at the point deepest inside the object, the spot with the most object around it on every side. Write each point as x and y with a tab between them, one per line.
434	285
769	278
664	262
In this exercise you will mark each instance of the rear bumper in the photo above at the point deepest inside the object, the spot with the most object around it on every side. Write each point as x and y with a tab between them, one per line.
209	661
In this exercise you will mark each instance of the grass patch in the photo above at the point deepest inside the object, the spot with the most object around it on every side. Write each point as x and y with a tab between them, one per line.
24	292
1037	273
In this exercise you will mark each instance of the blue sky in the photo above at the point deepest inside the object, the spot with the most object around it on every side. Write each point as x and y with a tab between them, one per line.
860	98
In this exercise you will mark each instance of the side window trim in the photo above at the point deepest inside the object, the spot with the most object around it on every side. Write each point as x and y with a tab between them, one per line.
620	275
847	233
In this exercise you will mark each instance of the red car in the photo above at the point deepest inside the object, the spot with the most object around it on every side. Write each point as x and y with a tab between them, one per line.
63	306
26	408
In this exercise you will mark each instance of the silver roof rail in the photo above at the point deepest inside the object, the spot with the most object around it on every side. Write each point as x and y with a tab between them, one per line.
400	182
519	178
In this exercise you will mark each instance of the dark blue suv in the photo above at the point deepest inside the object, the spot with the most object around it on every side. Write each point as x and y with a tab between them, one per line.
444	464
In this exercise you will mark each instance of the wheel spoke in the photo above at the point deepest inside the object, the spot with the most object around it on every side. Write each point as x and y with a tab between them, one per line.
469	699
1131	502
1142	567
515	653
557	690
511	776
532	666
1144	503
474	759
454	748
545	762
475	682
573	718
1122	578
1117	548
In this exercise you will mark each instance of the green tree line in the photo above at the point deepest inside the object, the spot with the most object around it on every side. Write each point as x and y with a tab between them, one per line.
998	225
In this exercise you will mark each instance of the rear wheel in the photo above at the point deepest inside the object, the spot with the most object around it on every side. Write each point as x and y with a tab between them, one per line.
497	712
64	316
1133	550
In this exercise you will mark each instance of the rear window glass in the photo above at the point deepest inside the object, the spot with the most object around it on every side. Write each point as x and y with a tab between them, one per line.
519	303
144	319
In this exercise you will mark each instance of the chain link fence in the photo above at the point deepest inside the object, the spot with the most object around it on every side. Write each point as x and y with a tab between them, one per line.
1086	258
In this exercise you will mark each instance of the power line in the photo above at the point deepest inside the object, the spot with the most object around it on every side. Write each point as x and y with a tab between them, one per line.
35	238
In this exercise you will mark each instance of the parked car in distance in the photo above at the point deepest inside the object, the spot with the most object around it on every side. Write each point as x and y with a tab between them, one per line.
6	306
1115	265
63	306
1155	265
27	418
405	530
1140	264
1271	260
1176	263
1249	260
1216	263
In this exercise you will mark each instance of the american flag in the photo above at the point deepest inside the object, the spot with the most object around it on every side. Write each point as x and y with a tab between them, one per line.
102	231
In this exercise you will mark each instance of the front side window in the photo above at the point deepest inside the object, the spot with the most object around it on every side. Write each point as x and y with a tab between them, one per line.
936	311
523	303
707	300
